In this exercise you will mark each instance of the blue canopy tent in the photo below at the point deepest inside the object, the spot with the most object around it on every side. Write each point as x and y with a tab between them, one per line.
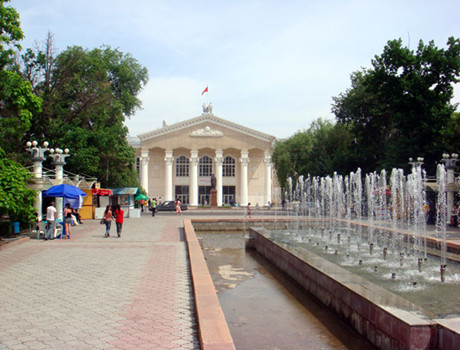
71	194
64	191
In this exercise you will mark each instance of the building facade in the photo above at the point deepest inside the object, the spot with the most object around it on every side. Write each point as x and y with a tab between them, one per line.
179	161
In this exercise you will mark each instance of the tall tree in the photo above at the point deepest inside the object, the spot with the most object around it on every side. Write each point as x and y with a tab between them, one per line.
320	150
400	107
87	95
18	104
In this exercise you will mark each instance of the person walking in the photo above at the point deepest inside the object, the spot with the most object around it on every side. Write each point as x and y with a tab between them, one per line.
248	212
67	219
118	219
153	206
107	220
178	209
51	220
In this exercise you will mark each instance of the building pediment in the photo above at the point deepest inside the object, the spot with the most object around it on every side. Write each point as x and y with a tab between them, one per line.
207	125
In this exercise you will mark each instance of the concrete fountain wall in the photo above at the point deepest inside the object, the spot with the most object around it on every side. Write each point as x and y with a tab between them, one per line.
385	319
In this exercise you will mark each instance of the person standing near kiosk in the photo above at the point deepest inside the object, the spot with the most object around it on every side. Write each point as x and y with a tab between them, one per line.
153	206
51	220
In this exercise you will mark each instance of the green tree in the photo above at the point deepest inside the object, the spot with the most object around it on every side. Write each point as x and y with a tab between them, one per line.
451	134
320	150
16	200
18	103
401	107
87	94
10	34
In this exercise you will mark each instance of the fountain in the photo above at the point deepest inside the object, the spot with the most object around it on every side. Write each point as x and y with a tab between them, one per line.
372	229
385	213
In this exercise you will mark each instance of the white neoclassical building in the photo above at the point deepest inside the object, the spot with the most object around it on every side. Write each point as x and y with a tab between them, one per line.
178	160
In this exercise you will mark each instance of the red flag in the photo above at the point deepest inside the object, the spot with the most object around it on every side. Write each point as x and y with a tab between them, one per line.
205	90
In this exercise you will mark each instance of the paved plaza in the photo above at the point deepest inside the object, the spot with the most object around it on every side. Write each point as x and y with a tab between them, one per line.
92	292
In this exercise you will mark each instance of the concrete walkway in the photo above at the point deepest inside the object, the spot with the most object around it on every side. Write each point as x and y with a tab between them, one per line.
92	292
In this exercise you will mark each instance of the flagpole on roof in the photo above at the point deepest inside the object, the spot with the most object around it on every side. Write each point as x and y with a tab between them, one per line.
206	91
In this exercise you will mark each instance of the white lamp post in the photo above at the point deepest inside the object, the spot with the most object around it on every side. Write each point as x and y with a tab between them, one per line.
37	154
59	156
450	162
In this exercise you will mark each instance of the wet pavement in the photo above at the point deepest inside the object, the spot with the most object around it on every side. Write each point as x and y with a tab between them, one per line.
92	292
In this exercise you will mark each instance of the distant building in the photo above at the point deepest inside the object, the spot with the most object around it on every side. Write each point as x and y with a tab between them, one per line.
178	160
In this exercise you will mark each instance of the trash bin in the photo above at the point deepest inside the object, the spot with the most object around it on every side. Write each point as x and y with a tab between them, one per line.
15	227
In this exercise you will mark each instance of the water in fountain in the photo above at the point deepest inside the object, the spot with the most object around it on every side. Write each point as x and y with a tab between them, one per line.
379	251
441	216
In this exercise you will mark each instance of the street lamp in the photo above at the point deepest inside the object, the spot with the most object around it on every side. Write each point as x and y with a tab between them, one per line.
59	157
416	163
450	161
37	154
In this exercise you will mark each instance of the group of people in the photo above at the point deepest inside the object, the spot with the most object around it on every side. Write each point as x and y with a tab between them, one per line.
70	215
110	215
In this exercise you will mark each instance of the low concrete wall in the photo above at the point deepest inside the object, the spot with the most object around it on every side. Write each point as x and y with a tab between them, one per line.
213	328
385	319
217	225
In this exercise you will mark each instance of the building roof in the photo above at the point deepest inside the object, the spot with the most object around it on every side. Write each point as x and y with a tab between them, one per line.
205	117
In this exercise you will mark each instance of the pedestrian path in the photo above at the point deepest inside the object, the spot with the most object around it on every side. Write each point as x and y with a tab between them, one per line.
92	292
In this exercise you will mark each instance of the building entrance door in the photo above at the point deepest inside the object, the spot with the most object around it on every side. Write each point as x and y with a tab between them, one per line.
204	195
228	195
182	194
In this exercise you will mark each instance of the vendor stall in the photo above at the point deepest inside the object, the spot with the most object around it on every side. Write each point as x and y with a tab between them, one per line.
101	201
125	198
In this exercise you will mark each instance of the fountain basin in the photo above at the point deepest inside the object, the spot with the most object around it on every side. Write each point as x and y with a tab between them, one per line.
384	318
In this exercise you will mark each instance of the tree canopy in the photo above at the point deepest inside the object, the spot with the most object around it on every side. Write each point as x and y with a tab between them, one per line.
397	109
18	103
320	150
400	108
87	94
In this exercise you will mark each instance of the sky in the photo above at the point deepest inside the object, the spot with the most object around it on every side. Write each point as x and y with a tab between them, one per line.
273	66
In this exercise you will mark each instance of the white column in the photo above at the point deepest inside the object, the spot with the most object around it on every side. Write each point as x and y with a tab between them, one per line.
193	186
145	170
59	170
450	179
169	160
38	156
38	198
219	161
268	178
244	160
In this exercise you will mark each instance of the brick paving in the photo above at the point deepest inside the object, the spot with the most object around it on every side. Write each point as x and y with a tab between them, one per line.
92	292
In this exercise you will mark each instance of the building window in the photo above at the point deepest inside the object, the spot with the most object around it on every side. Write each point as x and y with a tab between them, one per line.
182	166
205	166
228	166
